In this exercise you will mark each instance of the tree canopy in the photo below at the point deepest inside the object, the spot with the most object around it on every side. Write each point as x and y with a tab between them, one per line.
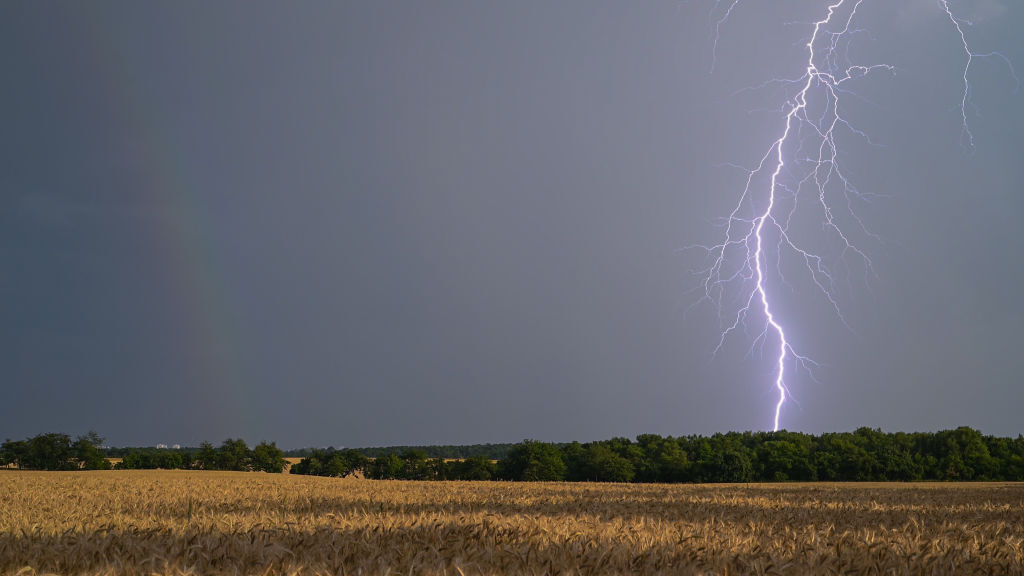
866	454
963	454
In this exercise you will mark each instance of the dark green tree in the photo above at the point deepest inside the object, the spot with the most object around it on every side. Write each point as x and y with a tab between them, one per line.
170	460
732	463
602	464
643	465
786	457
574	455
438	469
895	457
354	461
386	467
842	457
309	466
414	465
234	455
533	461
1005	451
49	452
671	462
331	463
267	457
134	460
474	468
966	455
152	459
88	452
14	452
206	458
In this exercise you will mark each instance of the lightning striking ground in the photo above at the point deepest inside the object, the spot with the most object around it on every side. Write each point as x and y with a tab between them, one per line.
802	162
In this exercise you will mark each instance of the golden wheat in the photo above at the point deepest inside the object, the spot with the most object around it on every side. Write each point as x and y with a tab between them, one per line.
179	522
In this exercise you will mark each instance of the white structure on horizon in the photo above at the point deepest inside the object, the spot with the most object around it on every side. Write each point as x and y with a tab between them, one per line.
161	446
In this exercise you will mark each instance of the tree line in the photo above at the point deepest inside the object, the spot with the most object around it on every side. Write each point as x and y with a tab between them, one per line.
446	452
57	452
410	464
53	451
867	454
963	454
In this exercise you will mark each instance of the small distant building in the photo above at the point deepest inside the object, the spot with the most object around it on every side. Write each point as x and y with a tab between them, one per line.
176	447
161	446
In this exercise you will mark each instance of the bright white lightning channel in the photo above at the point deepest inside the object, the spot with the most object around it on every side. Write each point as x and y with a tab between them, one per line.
740	259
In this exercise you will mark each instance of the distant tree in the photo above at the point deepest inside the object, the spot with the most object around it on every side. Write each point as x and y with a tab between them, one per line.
1014	463
701	453
1005	452
842	457
777	460
601	464
414	465
168	460
131	461
88	452
732	463
150	460
234	455
489	451
206	458
643	463
49	452
869	443
474	468
438	469
308	466
787	456
14	452
929	463
966	456
574	455
268	458
331	463
671	462
386	467
895	457
533	461
354	461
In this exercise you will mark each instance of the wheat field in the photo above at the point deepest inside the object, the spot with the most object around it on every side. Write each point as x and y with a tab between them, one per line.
180	522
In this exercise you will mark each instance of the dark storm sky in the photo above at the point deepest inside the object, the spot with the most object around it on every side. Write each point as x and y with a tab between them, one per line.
368	223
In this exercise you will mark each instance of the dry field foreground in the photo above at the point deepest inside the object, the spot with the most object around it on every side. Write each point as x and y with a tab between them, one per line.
143	522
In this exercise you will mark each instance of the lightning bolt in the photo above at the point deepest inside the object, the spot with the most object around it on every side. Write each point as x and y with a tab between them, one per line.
802	162
966	136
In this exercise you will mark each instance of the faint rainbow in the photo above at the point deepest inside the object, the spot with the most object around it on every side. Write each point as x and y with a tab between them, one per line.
180	238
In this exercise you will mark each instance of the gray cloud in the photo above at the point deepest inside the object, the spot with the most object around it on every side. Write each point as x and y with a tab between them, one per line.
372	223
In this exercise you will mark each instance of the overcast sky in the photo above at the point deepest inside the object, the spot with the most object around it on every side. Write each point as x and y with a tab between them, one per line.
371	223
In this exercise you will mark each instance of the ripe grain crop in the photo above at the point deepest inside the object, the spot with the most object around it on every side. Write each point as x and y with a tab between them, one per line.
187	522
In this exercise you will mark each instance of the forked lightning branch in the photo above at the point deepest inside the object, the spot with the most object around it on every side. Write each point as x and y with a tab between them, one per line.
804	160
